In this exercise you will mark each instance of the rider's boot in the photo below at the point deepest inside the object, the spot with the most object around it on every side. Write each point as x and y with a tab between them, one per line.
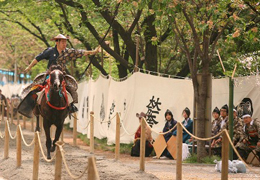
72	108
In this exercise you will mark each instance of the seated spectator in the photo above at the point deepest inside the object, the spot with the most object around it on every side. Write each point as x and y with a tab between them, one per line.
238	128
148	144
223	125
215	125
170	123
251	136
188	124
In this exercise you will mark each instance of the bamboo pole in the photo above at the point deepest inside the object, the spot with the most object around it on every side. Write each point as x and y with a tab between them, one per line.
142	145
221	62
6	148
75	133
58	162
137	53
230	116
92	169
7	111
91	132
179	152
36	158
18	148
117	149
17	118
224	154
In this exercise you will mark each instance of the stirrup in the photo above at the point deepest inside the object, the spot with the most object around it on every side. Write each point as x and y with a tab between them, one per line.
72	108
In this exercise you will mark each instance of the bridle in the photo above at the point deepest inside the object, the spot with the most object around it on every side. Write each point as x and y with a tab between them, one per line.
62	92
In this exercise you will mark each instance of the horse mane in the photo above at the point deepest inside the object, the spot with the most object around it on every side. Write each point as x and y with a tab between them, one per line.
54	67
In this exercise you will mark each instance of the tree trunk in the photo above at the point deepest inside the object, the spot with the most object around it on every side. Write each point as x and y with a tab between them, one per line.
150	49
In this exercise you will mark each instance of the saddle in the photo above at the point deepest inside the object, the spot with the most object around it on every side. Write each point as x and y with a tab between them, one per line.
33	93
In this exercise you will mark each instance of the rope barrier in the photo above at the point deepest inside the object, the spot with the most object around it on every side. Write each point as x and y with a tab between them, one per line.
238	155
43	155
123	126
103	121
201	139
26	144
66	165
9	131
87	125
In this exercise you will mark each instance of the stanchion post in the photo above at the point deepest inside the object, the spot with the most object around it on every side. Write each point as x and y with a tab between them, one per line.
224	154
36	158
75	130
41	123
12	113
6	148
92	169
17	118
179	152
142	145
117	149
24	122
3	110
58	162
91	132
61	136
7	111
18	148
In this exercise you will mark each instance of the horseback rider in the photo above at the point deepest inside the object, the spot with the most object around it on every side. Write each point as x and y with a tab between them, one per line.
59	55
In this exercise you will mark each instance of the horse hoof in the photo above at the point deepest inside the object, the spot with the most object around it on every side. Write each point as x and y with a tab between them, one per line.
38	129
52	148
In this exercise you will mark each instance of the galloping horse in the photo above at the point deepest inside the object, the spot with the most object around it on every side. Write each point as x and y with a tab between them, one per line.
53	106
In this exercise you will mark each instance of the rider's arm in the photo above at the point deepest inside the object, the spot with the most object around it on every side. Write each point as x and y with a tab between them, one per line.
93	52
31	65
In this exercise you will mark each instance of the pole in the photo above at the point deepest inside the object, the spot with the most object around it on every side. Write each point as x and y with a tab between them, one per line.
117	150
75	130
18	148
7	111
36	158
230	115
12	113
142	145
32	125
224	154
179	152
24	122
92	169
3	110
92	132
6	148
137	53
58	162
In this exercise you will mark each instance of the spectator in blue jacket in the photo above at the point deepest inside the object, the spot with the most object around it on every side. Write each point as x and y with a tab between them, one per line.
187	123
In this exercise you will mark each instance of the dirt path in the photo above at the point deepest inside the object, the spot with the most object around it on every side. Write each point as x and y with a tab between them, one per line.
109	169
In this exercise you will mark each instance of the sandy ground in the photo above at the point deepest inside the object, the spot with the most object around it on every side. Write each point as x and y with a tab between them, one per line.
126	168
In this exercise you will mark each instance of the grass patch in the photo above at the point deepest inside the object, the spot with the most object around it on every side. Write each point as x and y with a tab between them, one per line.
205	160
101	144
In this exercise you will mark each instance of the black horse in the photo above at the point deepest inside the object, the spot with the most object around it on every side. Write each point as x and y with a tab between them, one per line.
53	106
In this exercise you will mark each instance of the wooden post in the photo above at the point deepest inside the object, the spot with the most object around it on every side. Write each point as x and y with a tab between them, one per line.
12	113
6	148
92	169
75	133
17	118
117	150
61	136
142	145
179	152
24	122
58	162
32	125
230	115
41	123
91	132
3	110
18	148
36	158
224	154
7	111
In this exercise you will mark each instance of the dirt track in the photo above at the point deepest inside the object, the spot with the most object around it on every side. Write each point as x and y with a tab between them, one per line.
126	168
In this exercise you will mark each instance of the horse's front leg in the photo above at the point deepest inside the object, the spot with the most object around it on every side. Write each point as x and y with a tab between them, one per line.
48	138
37	124
57	136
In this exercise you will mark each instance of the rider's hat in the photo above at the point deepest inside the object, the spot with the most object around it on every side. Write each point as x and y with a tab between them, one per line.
59	36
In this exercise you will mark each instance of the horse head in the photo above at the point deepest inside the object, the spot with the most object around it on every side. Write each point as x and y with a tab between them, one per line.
56	79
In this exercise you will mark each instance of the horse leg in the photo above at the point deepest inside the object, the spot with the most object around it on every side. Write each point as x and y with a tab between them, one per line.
48	139
57	136
37	124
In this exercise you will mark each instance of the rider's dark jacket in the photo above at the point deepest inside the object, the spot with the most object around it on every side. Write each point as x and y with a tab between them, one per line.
52	55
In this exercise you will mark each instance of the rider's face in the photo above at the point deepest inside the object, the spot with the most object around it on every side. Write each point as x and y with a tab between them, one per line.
61	44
